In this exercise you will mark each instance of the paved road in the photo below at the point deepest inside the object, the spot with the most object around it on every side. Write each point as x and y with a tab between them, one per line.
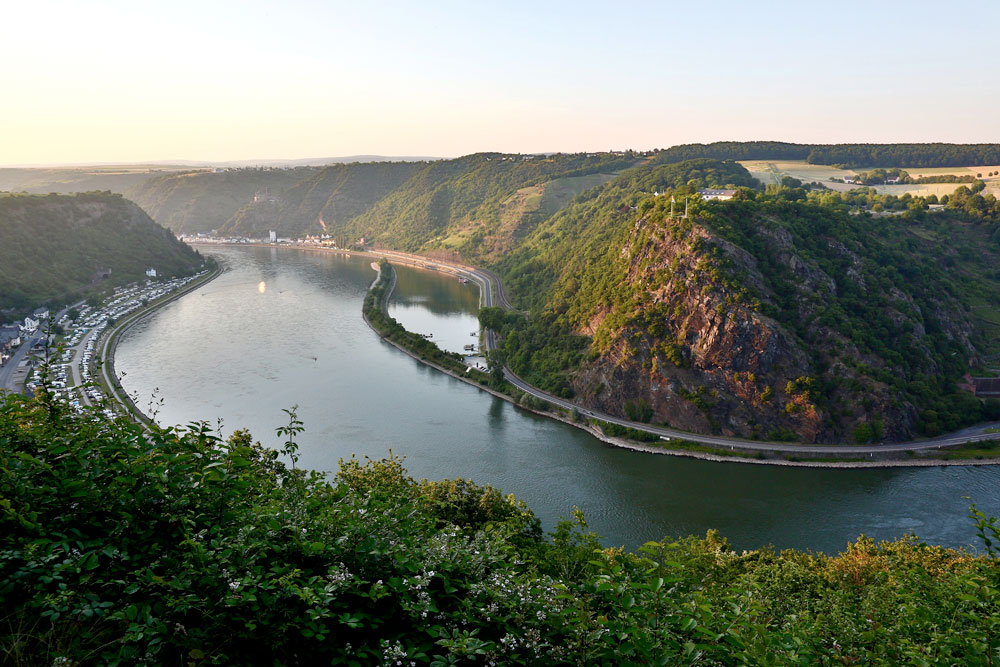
492	293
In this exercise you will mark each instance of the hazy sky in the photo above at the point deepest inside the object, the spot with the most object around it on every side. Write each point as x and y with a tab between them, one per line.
217	80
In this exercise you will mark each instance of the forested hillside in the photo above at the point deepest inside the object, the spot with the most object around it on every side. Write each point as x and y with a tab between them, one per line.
781	315
324	202
200	201
784	314
56	247
123	546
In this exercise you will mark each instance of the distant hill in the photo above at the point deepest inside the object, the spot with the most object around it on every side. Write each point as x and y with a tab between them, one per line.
324	202
58	247
78	179
200	201
450	205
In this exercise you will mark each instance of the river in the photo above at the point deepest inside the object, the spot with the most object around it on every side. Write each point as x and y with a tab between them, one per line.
283	327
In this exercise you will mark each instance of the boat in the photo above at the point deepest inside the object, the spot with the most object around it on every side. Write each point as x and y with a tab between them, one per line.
463	281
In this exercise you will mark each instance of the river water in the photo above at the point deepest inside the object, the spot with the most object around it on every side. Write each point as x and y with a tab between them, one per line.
283	327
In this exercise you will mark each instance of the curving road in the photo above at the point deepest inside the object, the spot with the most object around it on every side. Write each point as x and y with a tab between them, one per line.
491	293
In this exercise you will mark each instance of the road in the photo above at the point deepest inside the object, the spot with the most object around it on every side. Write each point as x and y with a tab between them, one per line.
491	292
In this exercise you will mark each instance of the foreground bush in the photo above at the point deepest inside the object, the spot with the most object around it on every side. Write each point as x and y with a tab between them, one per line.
119	546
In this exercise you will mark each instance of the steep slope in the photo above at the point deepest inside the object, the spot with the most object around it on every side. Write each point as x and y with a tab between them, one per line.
323	202
58	246
201	201
458	205
759	317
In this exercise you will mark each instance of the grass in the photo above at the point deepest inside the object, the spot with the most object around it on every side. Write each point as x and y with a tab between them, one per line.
689	446
559	192
988	449
771	172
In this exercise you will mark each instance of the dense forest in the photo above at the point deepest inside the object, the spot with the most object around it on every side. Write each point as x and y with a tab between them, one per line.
123	546
200	201
55	248
847	155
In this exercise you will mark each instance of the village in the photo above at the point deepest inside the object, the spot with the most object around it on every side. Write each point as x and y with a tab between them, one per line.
68	339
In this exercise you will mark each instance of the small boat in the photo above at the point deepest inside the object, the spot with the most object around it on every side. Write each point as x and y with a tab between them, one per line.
463	281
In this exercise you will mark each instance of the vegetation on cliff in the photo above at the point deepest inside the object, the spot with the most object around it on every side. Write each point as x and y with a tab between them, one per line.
58	247
787	314
125	546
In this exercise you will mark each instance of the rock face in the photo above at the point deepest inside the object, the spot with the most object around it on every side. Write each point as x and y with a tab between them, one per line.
699	354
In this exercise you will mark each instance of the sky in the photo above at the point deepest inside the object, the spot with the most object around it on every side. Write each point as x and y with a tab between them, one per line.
132	81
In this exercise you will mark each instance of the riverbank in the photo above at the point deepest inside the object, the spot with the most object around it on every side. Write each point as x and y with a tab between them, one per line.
108	344
776	454
938	451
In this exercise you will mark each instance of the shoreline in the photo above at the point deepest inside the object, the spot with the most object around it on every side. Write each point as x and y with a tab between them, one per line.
622	443
109	344
418	261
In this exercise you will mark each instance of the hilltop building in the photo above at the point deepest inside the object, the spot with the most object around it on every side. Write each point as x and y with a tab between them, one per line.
150	272
719	195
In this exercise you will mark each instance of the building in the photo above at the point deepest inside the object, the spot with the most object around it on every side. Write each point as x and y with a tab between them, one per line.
719	195
41	314
30	326
10	337
150	272
272	236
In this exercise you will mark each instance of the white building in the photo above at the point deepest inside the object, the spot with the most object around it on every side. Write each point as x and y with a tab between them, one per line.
30	325
150	272
272	236
719	195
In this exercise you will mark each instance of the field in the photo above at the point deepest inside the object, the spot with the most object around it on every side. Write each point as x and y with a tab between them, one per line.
772	172
116	178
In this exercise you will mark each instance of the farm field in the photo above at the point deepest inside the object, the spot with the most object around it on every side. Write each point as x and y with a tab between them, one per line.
772	172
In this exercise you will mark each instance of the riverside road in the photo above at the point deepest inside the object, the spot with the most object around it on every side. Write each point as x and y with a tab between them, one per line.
491	291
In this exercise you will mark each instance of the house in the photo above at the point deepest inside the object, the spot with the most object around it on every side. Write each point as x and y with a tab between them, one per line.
150	272
30	326
719	195
10	337
272	236
41	314
894	179
850	180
